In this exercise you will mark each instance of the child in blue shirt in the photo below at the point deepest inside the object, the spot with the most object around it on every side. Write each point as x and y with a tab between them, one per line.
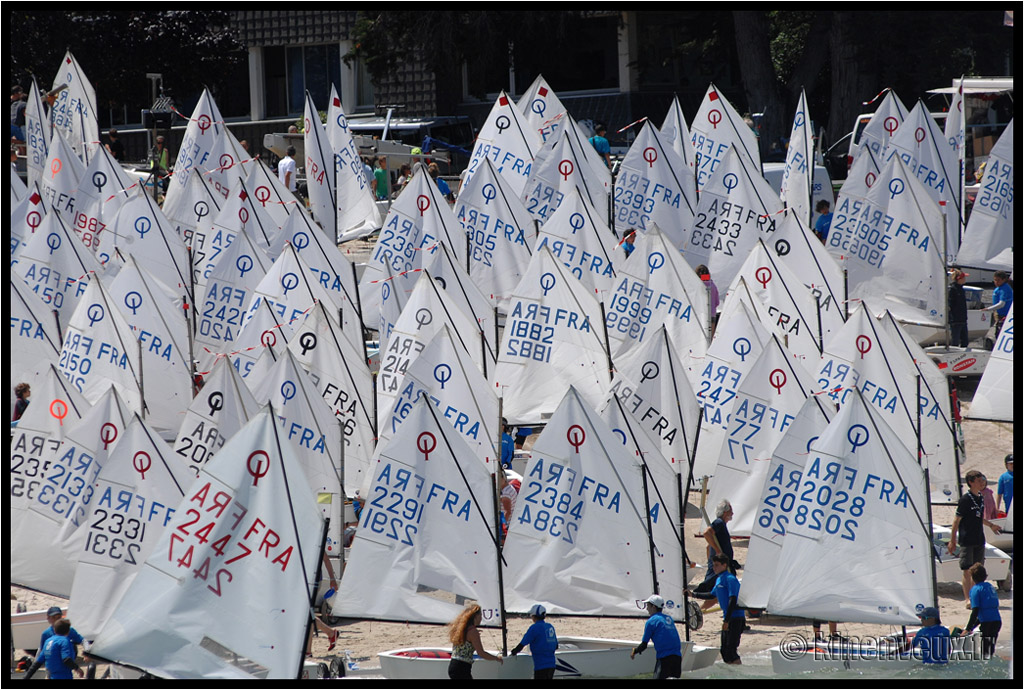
543	643
932	638
660	629
984	610
727	591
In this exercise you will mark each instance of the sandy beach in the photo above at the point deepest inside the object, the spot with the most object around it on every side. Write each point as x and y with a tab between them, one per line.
987	444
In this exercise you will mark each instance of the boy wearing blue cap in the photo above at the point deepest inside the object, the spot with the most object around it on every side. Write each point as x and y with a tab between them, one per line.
932	638
661	629
543	643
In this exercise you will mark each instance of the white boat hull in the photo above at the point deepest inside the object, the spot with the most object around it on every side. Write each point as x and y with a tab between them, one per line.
958	361
1004	540
885	654
947	565
28	627
576	657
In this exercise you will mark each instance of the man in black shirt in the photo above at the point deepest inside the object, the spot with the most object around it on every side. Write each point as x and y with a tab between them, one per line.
968	528
115	146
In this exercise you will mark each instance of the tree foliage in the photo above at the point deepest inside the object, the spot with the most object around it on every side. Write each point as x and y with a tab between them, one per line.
190	48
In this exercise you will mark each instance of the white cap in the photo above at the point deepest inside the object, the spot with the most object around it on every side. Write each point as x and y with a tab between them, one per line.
538	611
657	600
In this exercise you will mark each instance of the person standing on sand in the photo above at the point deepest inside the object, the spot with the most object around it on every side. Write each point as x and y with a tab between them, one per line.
727	591
968	528
543	643
465	638
661	629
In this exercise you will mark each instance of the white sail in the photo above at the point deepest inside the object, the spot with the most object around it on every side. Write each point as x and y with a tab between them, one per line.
230	285
552	340
19	190
159	322
560	165
891	245
240	214
501	235
56	265
319	166
289	289
222	407
26	216
540	105
453	279
117	535
715	128
582	499
677	135
192	209
655	286
357	212
409	563
339	371
927	153
988	239
306	421
417	221
576	235
270	192
248	530
655	186
862	503
445	372
881	127
768	533
797	176
105	186
787	306
653	387
795	244
334	271
509	142
100	348
223	167
738	342
429	308
34	343
62	174
736	209
767	401
664	501
880	360
74	112
993	400
64	489
263	330
38	134
140	228
196	150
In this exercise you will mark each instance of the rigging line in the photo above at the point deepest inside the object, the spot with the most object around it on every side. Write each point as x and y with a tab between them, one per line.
56	348
344	361
892	462
160	455
478	320
820	344
558	267
675	387
593	225
667	251
447	313
917	367
117	332
682	189
476	403
519	126
156	214
288	494
256	216
440	429
643	461
160	314
498	183
586	413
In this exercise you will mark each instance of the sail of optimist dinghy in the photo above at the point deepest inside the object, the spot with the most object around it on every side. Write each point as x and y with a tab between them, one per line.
248	529
715	128
508	141
73	113
863	502
797	178
115	537
993	399
988	239
357	212
414	566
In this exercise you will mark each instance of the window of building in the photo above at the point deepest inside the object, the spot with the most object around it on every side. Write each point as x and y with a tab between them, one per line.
290	72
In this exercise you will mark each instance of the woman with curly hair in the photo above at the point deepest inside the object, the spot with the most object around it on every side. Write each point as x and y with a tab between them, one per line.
465	638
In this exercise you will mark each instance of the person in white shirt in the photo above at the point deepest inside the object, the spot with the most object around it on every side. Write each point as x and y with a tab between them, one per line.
286	170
